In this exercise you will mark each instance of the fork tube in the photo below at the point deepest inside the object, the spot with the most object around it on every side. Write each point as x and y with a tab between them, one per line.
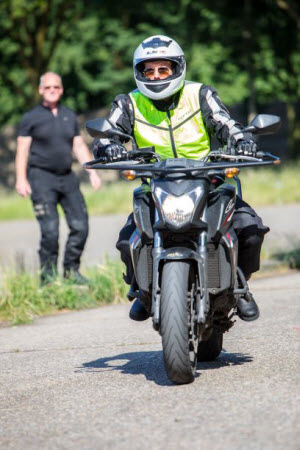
156	252
202	295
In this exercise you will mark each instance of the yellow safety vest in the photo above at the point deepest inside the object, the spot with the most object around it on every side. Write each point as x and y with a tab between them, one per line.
177	133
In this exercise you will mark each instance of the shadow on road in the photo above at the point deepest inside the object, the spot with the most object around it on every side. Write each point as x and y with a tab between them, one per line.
226	359
150	364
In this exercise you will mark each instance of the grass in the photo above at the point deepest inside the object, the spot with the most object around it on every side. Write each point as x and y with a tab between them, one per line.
264	186
23	299
112	198
278	185
286	258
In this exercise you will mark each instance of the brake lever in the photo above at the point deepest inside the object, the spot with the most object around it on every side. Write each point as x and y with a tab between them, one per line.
101	160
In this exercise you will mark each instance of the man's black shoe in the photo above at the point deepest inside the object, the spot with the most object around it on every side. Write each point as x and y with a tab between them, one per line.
247	308
138	312
47	276
133	291
75	276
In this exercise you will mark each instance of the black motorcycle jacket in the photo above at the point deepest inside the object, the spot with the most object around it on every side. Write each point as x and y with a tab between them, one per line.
215	115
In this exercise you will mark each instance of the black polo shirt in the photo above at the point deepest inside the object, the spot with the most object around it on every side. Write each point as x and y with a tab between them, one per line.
52	137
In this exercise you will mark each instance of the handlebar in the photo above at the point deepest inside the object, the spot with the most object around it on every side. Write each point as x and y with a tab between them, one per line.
147	170
143	153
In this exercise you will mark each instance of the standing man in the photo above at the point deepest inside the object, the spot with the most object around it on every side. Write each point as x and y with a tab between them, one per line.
47	136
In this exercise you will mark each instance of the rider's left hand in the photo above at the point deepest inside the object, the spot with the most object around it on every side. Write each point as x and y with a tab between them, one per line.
247	148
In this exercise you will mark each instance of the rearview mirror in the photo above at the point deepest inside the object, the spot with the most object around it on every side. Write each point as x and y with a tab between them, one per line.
100	128
263	124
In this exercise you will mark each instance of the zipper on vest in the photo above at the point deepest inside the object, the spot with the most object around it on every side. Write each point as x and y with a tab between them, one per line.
171	135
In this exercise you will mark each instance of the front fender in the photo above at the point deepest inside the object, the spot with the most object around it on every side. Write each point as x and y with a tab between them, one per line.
179	253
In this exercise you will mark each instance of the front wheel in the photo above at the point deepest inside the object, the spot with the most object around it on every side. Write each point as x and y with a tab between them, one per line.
177	318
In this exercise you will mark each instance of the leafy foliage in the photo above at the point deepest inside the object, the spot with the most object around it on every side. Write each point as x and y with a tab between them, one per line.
249	50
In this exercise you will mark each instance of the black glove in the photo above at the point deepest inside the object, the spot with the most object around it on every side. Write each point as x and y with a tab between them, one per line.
113	152
116	152
98	149
247	148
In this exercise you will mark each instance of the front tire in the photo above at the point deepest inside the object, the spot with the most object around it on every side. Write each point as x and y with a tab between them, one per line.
180	356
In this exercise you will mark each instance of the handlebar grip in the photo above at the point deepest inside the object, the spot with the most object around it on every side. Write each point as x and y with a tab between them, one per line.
102	159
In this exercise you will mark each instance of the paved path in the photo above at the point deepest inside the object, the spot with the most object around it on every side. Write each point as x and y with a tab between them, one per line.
95	380
19	240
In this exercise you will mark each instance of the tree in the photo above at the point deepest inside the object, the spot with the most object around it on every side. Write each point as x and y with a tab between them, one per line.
250	51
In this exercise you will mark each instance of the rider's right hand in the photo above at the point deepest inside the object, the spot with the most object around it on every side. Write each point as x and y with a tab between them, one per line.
112	152
98	149
116	152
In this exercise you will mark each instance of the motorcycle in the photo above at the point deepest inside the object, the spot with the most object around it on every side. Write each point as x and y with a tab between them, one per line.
184	248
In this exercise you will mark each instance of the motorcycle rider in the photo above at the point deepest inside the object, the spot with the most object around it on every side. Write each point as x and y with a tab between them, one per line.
178	117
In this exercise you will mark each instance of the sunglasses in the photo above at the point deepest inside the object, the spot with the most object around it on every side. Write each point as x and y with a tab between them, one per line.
162	71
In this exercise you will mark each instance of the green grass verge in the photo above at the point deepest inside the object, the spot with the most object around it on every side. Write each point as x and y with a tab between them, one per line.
288	258
112	198
22	298
276	185
264	186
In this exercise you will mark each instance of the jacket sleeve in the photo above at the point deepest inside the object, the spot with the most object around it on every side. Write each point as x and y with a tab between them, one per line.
121	116
216	117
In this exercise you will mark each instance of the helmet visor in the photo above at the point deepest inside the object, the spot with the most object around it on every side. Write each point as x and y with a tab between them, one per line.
164	71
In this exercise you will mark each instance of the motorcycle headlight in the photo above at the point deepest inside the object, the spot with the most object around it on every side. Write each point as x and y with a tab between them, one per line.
178	210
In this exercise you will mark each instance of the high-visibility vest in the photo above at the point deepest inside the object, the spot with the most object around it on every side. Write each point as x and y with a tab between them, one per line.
176	133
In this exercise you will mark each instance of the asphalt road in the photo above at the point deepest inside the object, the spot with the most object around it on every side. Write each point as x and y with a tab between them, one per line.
19	240
95	380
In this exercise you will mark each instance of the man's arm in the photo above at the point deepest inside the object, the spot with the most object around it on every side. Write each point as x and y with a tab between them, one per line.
83	155
216	117
23	147
121	116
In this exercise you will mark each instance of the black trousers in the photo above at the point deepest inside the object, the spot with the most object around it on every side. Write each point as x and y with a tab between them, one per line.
49	190
249	229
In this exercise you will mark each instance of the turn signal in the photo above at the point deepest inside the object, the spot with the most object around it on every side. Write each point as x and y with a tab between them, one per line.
128	175
231	172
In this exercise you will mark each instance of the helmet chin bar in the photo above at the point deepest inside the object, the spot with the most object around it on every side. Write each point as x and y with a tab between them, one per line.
170	88
157	87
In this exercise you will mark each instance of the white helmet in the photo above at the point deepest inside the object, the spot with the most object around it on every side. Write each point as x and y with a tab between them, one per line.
155	48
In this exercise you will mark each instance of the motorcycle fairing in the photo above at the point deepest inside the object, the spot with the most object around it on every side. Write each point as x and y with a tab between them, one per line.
143	212
221	205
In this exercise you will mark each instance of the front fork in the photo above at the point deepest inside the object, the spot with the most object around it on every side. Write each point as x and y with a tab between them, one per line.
156	253
202	290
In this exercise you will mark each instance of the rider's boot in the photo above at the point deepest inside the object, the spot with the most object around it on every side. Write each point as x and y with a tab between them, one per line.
133	291
247	308
138	312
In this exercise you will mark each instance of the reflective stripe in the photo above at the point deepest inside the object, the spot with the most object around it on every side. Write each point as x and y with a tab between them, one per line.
196	112
150	125
116	115
184	124
225	121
